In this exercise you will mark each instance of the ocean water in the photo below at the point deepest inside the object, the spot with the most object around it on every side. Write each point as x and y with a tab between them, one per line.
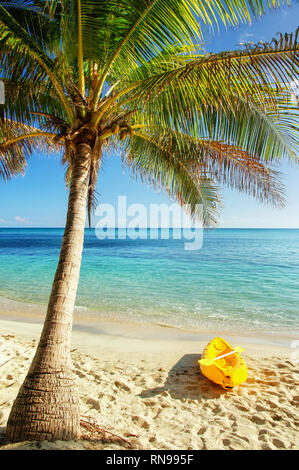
240	280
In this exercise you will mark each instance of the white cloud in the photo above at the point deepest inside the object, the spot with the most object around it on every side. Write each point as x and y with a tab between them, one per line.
244	37
3	221
22	220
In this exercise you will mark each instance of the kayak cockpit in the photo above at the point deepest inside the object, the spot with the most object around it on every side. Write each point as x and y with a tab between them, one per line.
229	370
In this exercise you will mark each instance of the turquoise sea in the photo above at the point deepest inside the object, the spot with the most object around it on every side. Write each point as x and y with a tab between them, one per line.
240	280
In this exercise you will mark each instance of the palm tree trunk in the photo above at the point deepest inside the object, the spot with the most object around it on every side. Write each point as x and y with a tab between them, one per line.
47	405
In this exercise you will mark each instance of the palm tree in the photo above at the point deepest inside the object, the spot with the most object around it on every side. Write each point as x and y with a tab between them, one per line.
87	76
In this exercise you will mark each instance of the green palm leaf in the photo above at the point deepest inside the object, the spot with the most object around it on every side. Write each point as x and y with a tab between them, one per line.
20	46
260	75
17	143
222	163
161	168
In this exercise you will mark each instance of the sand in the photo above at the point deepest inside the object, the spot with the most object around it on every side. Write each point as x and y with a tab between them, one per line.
143	384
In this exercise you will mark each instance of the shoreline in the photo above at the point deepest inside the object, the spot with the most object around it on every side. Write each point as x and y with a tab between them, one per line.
148	340
87	323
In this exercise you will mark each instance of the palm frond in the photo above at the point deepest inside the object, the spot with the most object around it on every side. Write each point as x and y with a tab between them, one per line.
161	168
264	134
236	169
221	163
146	26
26	100
17	143
179	91
21	51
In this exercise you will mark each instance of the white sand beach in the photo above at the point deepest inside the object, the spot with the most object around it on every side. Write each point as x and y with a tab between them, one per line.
142	383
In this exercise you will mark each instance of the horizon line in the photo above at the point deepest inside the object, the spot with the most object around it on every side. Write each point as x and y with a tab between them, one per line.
161	228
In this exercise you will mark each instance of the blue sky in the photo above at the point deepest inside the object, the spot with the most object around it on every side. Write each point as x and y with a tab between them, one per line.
39	198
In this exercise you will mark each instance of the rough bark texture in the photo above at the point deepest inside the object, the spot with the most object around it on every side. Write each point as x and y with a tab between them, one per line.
47	405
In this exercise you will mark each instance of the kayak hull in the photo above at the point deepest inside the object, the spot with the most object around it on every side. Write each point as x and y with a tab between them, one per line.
227	372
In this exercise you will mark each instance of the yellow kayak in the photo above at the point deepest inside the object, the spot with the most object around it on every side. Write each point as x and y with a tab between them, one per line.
229	370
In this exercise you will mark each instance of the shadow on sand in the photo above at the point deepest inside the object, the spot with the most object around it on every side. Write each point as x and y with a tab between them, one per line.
185	380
